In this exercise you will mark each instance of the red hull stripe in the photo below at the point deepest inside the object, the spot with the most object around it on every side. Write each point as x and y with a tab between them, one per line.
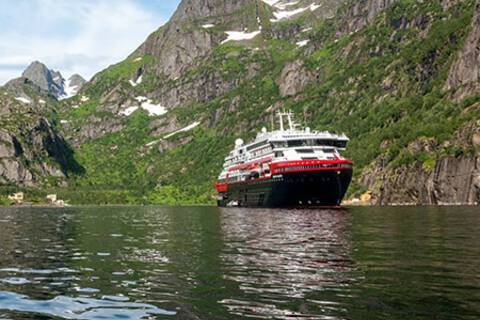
295	170
221	187
287	167
308	162
309	165
224	187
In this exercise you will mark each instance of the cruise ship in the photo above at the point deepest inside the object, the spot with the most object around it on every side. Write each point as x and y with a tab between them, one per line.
286	168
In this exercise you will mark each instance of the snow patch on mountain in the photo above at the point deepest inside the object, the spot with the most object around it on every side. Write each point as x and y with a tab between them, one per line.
240	35
303	43
284	6
71	87
271	3
23	100
187	128
153	109
283	11
147	105
129	111
136	82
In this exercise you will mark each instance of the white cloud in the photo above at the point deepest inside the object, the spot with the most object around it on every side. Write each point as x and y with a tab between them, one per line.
71	36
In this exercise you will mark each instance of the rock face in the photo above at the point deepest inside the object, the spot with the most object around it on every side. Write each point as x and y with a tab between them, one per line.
363	12
464	76
183	39
199	9
20	155
453	181
48	80
294	78
31	150
176	48
450	180
24	88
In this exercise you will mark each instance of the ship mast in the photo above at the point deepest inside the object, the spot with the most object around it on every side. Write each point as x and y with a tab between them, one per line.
289	117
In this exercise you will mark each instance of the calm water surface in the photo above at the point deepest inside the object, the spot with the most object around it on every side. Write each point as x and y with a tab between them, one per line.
209	263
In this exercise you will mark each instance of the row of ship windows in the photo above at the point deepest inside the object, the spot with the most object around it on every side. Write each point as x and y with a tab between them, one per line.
296	168
262	151
300	143
310	143
316	166
256	153
294	143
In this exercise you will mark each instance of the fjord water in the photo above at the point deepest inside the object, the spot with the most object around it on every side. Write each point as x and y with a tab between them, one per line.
209	263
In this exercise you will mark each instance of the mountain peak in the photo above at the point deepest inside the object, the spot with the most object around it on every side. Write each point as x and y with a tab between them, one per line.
73	85
53	81
198	9
47	79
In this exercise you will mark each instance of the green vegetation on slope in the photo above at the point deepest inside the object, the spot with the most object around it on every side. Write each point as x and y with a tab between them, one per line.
383	86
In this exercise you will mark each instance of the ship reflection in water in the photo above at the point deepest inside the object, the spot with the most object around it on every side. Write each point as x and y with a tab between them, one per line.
276	256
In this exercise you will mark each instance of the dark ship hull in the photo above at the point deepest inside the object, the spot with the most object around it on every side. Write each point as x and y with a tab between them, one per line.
321	188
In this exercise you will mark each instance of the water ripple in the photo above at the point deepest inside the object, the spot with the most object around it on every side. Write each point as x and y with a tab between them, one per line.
80	308
210	263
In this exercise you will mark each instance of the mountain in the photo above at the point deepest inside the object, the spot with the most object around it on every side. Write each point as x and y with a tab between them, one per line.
72	86
32	152
399	77
49	81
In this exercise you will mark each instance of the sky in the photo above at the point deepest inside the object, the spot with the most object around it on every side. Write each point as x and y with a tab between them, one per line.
75	36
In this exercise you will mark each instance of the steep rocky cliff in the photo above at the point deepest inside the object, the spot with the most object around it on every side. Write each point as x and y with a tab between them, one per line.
464	75
32	153
442	180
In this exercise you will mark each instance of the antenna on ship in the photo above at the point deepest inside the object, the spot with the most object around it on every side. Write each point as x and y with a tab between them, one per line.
304	117
291	125
280	115
289	116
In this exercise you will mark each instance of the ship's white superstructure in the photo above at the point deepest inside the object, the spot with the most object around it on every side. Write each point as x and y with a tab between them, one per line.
288	143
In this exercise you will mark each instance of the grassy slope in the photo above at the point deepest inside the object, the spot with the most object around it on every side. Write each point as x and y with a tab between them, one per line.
349	97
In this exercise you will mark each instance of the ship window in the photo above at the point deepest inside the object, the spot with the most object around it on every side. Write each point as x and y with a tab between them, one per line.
317	142
332	143
278	154
281	144
259	144
305	150
297	143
